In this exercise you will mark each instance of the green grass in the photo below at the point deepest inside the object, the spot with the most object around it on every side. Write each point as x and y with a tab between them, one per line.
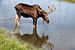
70	1
9	43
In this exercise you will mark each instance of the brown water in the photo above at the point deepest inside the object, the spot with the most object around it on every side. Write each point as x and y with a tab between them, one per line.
61	29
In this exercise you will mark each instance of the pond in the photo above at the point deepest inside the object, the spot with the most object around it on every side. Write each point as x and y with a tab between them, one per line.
61	29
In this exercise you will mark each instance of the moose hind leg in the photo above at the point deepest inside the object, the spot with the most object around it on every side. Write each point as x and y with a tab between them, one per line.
15	27
18	26
15	20
18	22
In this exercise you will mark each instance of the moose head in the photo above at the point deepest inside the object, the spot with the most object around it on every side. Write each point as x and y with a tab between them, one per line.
45	14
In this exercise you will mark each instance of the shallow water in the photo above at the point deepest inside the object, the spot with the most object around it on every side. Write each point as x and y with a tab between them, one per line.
61	29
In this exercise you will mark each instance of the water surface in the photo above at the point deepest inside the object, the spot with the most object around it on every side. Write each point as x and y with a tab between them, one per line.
61	29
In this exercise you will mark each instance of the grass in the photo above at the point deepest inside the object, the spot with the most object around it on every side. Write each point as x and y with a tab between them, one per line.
9	43
70	1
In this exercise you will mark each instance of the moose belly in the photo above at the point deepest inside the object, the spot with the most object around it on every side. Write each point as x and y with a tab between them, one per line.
26	15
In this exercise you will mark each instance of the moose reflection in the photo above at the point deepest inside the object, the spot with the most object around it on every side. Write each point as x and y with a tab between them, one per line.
35	39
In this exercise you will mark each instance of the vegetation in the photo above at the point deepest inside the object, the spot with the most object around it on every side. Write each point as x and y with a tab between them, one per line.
7	42
71	1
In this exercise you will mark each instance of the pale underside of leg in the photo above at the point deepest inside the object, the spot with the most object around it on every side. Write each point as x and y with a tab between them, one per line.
17	22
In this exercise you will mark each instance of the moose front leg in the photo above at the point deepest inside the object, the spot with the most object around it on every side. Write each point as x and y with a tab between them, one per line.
34	23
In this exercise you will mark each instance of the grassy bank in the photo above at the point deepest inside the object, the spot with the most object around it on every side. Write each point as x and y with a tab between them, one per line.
7	42
70	1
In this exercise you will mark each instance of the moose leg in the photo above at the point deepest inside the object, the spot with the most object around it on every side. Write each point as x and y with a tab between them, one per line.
34	23
15	27
18	26
17	22
34	26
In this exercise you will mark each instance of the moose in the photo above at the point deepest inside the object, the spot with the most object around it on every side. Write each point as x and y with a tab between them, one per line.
33	11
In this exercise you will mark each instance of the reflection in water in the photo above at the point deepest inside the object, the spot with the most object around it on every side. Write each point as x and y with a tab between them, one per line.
71	1
35	39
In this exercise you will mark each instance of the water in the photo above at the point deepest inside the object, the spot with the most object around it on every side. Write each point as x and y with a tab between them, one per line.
61	29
